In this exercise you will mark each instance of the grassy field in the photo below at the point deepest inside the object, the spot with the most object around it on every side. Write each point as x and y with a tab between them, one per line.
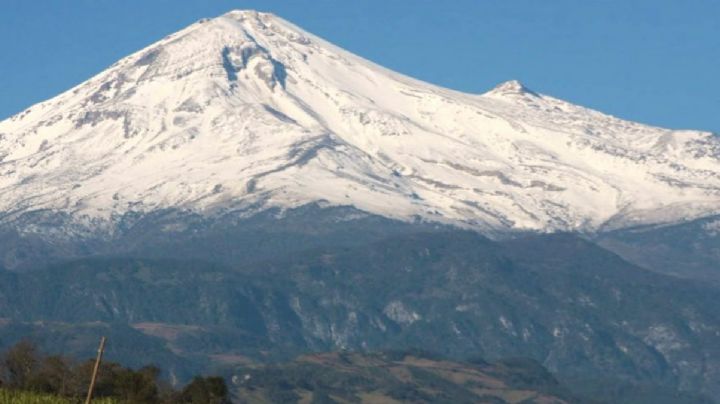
23	397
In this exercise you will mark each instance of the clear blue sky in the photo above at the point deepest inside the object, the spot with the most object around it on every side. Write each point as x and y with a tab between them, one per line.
653	61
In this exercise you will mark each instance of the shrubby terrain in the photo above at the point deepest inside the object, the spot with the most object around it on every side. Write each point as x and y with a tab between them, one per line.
29	376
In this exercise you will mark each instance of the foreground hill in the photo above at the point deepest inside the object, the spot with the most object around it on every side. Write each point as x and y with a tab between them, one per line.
581	311
397	378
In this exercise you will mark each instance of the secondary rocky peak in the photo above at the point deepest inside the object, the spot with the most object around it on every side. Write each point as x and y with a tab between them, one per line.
512	87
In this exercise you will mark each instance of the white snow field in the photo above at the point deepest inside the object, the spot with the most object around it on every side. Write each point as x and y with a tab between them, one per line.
248	110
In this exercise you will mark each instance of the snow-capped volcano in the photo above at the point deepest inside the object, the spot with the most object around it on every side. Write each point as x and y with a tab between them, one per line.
248	110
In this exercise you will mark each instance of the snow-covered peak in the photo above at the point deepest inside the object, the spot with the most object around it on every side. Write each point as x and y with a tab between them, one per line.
252	16
242	14
248	111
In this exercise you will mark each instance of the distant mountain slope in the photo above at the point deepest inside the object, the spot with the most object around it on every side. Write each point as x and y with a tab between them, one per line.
687	250
247	111
41	238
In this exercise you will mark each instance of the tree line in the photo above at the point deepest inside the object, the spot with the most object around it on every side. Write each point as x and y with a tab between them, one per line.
24	367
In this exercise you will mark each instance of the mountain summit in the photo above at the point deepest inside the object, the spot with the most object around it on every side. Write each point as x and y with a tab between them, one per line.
247	111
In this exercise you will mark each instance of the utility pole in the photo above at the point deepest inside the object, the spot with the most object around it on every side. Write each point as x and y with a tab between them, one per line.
88	400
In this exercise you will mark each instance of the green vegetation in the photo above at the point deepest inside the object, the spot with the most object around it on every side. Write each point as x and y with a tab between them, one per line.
27	376
27	397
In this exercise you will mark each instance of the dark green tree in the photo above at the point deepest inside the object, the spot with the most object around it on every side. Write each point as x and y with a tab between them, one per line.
19	363
139	387
206	390
52	375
